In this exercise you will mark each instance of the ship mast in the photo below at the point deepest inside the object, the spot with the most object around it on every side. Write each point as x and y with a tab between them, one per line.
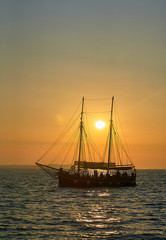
110	138
81	128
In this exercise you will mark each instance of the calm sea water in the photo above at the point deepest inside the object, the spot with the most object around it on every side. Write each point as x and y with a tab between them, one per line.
33	207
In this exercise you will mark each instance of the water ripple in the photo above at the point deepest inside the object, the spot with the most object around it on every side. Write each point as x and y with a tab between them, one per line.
32	207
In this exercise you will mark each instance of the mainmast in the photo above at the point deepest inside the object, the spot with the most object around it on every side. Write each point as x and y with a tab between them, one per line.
81	128
110	139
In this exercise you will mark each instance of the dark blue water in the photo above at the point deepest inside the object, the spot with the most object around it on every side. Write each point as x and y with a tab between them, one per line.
33	207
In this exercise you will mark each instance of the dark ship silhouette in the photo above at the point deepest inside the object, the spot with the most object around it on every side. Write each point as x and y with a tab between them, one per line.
85	173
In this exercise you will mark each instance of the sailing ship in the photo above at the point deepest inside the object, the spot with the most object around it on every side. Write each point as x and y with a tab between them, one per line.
90	171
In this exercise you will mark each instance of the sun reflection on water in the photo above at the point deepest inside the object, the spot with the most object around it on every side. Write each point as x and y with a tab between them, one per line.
98	217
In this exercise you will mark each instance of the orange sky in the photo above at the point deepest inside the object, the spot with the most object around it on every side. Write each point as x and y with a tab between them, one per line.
53	53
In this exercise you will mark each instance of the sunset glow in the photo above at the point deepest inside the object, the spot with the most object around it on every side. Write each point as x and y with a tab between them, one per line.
55	52
100	124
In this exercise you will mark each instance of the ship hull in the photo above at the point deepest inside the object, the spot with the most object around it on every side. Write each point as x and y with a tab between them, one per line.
68	180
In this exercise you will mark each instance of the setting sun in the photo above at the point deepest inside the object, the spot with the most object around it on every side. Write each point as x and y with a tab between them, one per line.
100	124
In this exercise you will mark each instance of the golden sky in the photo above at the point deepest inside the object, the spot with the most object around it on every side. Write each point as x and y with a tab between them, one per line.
55	52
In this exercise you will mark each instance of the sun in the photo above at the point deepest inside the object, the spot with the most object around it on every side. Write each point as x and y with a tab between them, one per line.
100	124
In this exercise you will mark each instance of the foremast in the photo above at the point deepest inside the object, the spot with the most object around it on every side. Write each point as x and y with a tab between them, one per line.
110	135
81	135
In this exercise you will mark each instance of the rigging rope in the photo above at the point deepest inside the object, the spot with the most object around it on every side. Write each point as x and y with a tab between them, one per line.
90	145
61	136
86	138
116	143
62	150
99	99
129	157
105	149
98	112
93	145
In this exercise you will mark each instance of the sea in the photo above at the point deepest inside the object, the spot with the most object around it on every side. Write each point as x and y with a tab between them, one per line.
32	206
